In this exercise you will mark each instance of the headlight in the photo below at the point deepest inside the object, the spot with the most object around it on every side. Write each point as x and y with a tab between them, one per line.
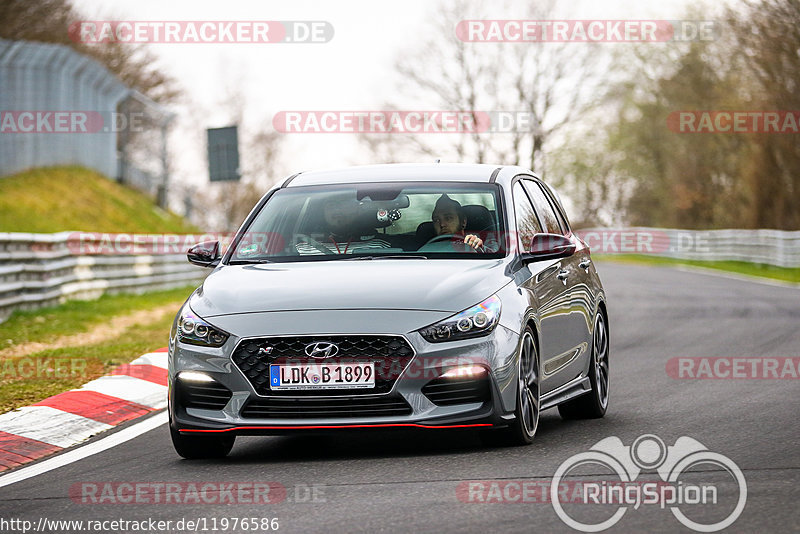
476	321
195	331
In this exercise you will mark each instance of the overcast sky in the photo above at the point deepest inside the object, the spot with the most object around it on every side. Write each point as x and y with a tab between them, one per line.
354	71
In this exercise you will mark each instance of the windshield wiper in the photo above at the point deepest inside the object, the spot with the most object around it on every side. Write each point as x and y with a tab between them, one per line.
389	257
248	262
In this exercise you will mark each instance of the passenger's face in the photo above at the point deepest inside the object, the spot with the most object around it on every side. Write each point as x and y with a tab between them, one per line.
446	221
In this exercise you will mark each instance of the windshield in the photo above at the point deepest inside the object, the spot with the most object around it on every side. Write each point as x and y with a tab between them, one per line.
431	220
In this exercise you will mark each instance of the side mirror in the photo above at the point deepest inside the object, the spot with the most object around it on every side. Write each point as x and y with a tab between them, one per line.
205	254
549	247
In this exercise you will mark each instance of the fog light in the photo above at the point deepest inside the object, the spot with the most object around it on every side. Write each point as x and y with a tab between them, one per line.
194	376
465	371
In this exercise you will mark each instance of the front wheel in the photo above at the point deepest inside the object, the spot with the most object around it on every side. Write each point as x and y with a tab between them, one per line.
193	447
593	404
526	414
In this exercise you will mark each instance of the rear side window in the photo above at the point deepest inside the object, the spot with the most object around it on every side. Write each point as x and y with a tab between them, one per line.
543	208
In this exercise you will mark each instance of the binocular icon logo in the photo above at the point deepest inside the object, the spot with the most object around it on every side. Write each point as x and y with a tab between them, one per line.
648	453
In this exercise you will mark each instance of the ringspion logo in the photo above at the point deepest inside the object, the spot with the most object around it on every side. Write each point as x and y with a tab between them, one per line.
678	488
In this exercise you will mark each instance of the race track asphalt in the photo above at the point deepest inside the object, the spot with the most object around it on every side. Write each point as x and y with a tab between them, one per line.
410	481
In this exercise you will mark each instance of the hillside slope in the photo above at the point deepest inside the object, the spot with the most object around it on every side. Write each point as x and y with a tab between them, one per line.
55	199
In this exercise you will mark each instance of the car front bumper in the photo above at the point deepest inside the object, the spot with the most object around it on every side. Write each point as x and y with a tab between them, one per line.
496	352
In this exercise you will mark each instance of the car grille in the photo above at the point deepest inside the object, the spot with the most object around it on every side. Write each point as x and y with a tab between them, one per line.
391	355
449	391
206	395
300	408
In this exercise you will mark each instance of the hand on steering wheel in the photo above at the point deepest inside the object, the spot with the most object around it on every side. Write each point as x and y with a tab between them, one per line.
456	239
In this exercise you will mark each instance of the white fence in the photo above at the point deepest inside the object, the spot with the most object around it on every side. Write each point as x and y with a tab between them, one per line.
47	78
45	269
771	247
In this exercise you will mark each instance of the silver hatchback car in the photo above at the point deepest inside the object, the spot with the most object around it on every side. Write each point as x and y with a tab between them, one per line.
411	296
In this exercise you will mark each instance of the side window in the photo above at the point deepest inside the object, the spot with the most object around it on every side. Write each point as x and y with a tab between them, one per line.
543	208
558	208
527	223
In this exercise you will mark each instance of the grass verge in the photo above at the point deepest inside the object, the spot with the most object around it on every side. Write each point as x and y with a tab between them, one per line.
76	316
29	379
786	274
33	376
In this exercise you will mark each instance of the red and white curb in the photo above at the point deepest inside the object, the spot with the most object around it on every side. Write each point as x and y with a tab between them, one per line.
130	391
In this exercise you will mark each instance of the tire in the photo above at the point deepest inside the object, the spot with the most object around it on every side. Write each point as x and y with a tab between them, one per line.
593	404
526	414
198	447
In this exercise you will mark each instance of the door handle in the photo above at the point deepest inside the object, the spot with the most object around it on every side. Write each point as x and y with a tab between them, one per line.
584	264
562	275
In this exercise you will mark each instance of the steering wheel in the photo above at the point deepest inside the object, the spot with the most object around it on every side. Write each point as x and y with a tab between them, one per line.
455	239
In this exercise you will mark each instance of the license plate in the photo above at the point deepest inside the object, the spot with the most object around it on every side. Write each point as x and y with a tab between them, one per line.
322	376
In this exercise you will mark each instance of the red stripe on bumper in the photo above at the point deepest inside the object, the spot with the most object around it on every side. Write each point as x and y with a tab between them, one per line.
320	427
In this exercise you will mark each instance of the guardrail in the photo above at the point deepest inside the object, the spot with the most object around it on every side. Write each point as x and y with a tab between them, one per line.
46	269
770	247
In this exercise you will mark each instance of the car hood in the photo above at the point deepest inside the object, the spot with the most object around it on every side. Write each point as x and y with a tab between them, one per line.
429	285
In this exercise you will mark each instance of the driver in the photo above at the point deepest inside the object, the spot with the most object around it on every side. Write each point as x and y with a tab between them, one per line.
346	233
448	218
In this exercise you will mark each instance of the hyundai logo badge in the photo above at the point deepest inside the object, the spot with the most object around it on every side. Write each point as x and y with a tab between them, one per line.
321	349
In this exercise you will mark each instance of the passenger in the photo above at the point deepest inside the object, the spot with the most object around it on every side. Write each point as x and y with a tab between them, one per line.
449	219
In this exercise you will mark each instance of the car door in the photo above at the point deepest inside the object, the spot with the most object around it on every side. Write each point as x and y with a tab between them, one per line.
541	279
571	320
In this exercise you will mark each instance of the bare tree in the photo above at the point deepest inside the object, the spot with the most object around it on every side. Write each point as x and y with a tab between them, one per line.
50	21
768	34
550	83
